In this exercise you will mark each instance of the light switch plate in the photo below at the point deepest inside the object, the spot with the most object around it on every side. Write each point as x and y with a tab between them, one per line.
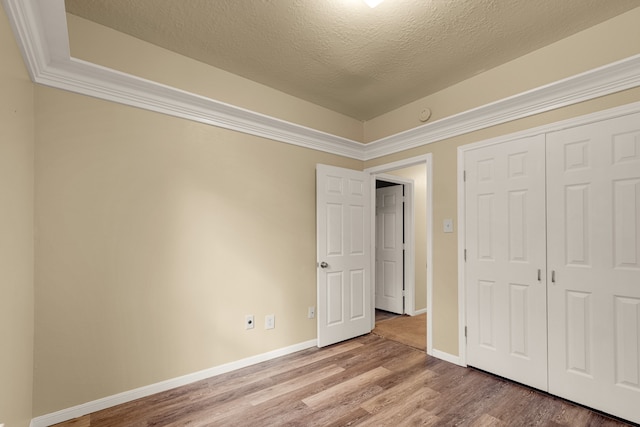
447	226
269	321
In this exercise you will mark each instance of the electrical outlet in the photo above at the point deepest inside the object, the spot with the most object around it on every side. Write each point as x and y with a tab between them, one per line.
270	321
311	314
249	321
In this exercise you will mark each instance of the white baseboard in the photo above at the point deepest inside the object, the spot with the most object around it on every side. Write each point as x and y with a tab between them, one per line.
419	312
128	396
447	357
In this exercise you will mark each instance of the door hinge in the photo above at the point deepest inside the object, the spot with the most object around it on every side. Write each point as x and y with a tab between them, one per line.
465	255
403	293
464	176
465	334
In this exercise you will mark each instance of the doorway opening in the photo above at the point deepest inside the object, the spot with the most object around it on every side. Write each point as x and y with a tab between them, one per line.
414	175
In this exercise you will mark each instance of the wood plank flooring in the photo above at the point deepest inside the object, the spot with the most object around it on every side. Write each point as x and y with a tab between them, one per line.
409	330
382	315
367	381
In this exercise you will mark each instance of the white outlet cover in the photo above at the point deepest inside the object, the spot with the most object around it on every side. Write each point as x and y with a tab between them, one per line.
447	226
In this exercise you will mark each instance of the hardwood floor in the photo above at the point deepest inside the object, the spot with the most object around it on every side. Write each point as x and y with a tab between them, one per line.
367	381
408	330
382	315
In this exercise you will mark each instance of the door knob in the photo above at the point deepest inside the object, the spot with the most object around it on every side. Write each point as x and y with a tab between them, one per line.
324	265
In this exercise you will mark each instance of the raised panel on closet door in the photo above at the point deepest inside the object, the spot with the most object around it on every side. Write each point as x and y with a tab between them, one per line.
593	200
504	239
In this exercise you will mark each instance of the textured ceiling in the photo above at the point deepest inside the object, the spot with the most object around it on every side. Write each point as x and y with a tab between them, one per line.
341	54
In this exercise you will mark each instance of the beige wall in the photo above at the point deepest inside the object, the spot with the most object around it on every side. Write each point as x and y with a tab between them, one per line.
16	233
156	236
418	174
104	46
602	44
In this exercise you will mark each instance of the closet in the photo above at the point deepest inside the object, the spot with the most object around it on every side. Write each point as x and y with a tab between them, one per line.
552	270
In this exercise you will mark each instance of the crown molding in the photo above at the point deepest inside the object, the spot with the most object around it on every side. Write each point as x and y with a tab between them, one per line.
40	28
611	78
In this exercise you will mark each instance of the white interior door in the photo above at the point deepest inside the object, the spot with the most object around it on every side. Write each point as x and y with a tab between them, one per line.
344	254
505	260
593	195
389	249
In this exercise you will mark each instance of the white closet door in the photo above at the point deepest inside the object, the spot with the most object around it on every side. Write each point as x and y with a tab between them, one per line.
593	190
505	243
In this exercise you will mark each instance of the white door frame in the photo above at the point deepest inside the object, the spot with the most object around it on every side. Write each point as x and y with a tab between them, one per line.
409	240
379	172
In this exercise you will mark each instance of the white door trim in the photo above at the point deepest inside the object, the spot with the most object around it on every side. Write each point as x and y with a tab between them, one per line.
409	240
379	171
551	127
